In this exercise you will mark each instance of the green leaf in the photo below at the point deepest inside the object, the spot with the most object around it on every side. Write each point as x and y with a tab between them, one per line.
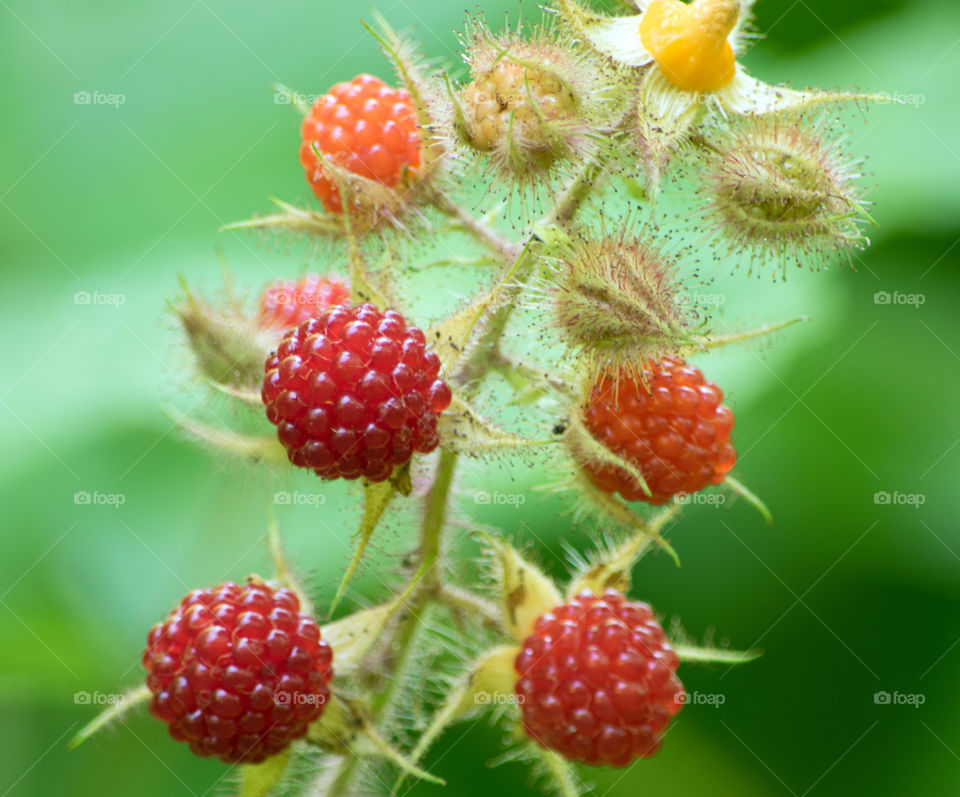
376	498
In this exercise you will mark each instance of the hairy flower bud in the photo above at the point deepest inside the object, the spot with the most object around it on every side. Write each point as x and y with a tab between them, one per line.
616	303
531	103
778	187
228	343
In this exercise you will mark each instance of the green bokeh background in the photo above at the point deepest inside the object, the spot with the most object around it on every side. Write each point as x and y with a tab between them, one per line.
847	597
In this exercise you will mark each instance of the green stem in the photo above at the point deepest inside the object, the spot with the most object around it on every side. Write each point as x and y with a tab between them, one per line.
484	233
707	342
521	376
466	601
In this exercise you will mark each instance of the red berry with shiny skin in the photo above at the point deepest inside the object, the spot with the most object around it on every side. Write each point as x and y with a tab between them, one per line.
597	680
238	672
671	425
354	392
288	303
364	126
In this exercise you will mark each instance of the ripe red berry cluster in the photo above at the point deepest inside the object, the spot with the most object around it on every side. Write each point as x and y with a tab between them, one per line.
237	672
288	303
354	392
364	126
597	681
670	424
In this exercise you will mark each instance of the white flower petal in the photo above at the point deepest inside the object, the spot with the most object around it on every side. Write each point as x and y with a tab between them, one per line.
747	95
743	34
662	100
665	117
616	37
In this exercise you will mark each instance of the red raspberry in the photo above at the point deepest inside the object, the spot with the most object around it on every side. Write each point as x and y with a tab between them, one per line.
354	392
237	672
670	424
597	680
364	126
288	304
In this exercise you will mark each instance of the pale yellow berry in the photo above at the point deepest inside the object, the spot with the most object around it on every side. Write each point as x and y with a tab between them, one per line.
528	98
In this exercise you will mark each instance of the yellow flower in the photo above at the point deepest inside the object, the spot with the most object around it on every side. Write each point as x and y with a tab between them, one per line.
686	55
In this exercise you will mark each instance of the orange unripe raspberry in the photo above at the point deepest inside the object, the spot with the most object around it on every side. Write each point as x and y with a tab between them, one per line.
365	127
670	425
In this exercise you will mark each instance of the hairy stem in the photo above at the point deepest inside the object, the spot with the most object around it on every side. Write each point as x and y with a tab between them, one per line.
464	600
508	250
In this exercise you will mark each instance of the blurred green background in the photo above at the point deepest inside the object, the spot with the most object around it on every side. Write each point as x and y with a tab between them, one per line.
847	596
